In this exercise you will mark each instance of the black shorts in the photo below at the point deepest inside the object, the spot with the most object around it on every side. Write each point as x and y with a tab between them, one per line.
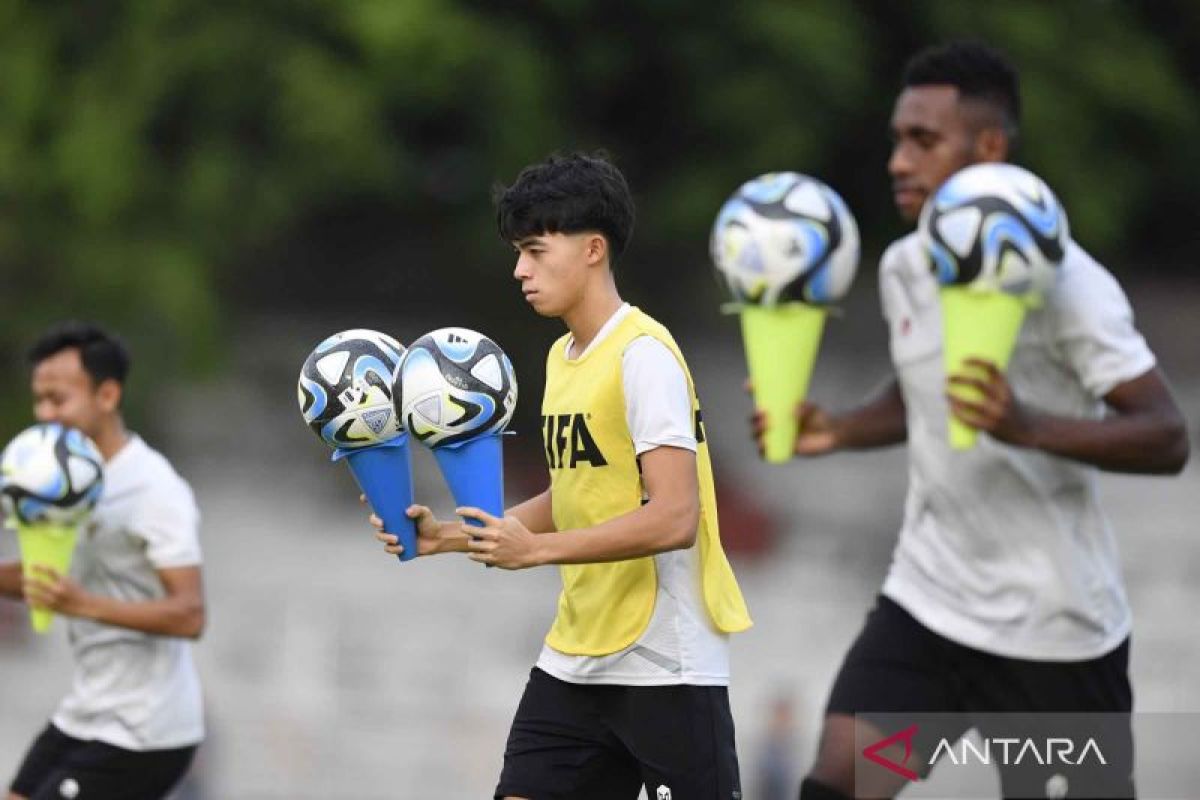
603	742
59	766
897	666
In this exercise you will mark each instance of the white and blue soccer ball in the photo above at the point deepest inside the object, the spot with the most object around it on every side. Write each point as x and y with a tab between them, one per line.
345	389
50	474
455	385
785	237
995	226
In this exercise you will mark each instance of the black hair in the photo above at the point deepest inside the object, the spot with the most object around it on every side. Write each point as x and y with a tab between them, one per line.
103	354
977	71
567	194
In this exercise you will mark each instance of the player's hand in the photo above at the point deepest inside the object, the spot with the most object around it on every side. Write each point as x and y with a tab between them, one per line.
815	435
996	409
501	542
431	534
48	589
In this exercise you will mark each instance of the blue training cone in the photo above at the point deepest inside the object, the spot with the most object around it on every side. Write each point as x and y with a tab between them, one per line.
474	470
384	473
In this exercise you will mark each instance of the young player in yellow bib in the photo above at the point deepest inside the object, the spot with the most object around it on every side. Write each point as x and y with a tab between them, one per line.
631	686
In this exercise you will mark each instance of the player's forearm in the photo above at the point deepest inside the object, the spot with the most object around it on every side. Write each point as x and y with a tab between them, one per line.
657	527
536	513
10	580
171	616
1139	443
880	422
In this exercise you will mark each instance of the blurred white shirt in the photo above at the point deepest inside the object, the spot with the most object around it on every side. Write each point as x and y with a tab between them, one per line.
1006	549
134	690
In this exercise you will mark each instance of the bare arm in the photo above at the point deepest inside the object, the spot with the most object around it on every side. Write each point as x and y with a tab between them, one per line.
10	580
536	513
435	536
667	521
1145	433
180	613
878	422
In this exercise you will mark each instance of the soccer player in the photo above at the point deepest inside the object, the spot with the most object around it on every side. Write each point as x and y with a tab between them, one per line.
630	688
132	721
1004	593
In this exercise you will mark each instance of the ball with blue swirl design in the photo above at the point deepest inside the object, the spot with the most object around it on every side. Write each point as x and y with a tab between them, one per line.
785	237
455	385
345	389
995	227
50	474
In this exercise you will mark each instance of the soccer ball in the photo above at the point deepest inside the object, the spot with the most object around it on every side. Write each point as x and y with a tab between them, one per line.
455	385
785	237
996	226
345	389
50	474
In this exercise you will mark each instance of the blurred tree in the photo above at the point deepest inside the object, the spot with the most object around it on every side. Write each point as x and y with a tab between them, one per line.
163	164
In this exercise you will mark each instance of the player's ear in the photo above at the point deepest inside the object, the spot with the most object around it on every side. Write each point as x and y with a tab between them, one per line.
109	394
991	144
596	248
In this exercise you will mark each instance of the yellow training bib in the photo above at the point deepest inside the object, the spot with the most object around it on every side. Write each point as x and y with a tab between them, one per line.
594	477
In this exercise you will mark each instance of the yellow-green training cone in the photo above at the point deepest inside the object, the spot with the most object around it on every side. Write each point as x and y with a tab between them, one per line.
976	324
781	349
47	545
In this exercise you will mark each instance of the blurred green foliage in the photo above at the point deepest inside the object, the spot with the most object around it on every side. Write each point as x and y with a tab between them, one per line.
167	164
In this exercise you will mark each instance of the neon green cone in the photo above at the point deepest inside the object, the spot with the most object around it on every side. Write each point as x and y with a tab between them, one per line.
976	324
781	349
46	545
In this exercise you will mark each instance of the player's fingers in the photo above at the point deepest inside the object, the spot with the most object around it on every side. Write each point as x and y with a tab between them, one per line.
966	380
470	512
416	511
376	522
482	558
45	573
394	549
479	534
362	498
386	538
977	415
989	367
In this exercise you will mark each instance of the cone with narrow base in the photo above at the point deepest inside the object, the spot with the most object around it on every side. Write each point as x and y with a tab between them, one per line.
976	324
384	473
49	546
781	348
474	471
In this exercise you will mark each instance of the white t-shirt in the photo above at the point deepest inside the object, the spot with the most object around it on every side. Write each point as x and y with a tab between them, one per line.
1006	549
680	644
131	689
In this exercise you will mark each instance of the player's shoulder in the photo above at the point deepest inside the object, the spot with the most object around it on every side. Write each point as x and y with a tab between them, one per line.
902	255
1083	280
156	471
645	324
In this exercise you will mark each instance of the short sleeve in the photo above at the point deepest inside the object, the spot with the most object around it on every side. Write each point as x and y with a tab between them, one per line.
1095	330
658	406
168	521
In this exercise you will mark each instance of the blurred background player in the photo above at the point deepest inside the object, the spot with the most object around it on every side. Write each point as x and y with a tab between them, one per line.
132	721
1004	593
631	686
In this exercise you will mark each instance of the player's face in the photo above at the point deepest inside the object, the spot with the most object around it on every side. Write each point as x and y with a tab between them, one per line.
64	392
931	141
552	269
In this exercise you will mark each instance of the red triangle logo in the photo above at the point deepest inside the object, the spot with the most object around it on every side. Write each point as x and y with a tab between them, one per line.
871	753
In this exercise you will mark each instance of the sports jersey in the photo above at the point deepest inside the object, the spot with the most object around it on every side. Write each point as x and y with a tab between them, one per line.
131	689
655	620
1006	549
